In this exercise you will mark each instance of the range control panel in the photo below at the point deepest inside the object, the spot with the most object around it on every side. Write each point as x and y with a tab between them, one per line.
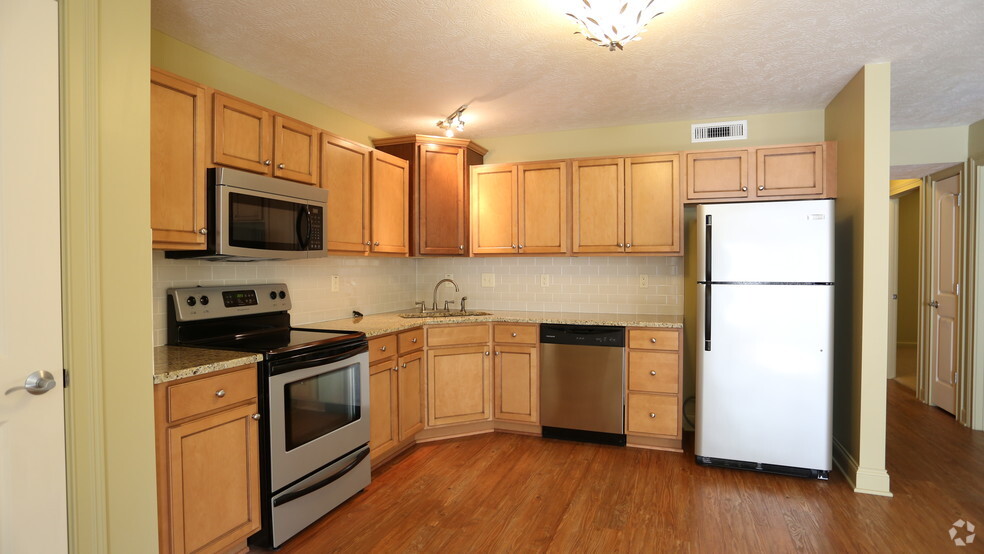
198	303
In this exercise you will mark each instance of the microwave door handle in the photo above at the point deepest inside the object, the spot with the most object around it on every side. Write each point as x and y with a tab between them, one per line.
304	214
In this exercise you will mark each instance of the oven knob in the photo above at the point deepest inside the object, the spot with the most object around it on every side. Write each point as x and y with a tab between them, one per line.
191	301
283	295
203	300
273	295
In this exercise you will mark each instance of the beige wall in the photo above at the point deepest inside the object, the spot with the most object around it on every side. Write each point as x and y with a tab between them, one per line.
766	129
929	146
858	118
975	138
107	275
908	268
177	57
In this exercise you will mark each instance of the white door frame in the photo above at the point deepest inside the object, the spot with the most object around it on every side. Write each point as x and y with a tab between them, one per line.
893	285
974	354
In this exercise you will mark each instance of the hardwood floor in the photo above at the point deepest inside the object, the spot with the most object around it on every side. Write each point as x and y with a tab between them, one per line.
512	493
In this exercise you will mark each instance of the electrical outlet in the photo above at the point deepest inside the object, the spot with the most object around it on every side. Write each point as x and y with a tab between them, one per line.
545	280
643	281
488	280
334	283
449	275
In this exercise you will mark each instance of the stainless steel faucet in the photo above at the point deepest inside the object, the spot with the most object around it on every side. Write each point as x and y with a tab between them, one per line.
438	285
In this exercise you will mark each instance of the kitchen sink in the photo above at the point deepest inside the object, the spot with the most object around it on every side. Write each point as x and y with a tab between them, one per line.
453	313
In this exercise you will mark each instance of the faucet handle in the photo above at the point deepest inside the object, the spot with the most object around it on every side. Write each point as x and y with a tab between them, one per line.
447	303
422	304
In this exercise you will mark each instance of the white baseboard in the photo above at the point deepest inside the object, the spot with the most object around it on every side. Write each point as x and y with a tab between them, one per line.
863	480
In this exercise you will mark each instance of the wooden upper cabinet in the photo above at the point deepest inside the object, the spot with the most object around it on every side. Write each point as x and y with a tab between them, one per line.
653	222
718	174
598	191
242	134
494	209
345	175
295	150
390	221
787	172
542	202
177	158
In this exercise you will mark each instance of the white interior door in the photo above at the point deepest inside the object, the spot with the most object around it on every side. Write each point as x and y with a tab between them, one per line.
32	426
944	289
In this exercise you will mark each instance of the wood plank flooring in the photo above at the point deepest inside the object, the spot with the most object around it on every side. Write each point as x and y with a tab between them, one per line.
512	493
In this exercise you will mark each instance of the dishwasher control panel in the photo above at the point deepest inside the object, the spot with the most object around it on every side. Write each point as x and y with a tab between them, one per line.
586	335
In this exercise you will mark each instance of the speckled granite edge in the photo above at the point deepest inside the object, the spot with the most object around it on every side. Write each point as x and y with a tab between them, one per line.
177	362
382	324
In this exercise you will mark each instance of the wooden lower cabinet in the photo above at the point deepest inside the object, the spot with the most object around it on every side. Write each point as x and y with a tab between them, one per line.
383	408
517	393
458	385
208	462
396	392
654	383
410	394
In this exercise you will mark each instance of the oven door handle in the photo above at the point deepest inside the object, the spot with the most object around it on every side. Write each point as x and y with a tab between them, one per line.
303	361
281	500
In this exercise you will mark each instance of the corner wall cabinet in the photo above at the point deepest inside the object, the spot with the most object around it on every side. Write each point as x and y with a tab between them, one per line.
208	489
788	172
438	190
177	155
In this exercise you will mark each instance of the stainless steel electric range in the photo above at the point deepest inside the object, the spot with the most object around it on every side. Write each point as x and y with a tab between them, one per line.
313	398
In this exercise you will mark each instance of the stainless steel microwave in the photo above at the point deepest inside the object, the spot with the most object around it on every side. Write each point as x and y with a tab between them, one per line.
254	217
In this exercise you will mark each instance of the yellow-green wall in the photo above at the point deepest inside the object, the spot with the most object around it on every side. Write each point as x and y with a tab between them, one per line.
765	129
975	138
858	118
106	254
172	55
908	268
929	146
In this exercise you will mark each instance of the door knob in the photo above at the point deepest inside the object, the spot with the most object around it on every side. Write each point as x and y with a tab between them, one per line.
934	304
38	382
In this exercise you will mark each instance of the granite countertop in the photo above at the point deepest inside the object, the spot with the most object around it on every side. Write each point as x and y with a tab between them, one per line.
382	324
177	362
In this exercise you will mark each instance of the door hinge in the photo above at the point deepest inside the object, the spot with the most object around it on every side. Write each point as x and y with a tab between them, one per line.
958	289
64	378
959	199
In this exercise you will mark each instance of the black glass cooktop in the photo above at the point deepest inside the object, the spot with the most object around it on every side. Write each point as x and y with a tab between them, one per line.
283	340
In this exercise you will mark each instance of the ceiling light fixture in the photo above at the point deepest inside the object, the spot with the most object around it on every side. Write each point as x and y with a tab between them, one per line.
613	23
453	122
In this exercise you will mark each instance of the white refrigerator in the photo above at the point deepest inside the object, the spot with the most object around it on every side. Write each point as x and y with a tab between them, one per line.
765	307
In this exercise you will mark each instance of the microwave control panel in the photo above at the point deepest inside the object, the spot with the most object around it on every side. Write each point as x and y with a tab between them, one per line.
200	303
316	242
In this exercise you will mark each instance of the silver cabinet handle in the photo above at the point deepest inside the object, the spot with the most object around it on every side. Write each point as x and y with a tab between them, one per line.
652	414
203	231
368	243
267	162
620	245
38	382
382	348
404	366
514	334
220	393
653	372
496	352
281	166
461	247
376	243
761	187
744	188
521	246
414	340
653	340
628	245
396	368
256	417
934	304
486	352
513	245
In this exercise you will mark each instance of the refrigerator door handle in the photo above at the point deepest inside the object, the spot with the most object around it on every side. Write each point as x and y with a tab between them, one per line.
707	250
707	317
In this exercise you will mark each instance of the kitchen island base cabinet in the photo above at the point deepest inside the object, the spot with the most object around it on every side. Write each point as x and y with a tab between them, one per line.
208	461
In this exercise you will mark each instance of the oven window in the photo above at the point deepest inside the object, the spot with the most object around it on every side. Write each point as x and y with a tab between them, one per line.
318	405
265	223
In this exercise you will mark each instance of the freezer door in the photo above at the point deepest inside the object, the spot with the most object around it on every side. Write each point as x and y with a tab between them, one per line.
767	242
764	387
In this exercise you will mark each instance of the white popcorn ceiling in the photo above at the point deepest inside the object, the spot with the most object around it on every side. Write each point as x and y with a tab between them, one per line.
402	64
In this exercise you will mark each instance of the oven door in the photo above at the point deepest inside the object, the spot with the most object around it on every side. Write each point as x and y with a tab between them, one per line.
319	411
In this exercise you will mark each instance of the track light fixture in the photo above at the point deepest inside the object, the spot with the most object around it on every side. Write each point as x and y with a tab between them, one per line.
453	122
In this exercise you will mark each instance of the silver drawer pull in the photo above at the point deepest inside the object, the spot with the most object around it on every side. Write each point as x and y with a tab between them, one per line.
256	417
414	340
653	340
514	334
652	414
486	352
383	348
220	393
653	372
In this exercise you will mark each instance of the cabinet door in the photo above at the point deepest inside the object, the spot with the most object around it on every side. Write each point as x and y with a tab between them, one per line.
790	171
442	221
295	150
382	408
492	194
345	175
458	385
517	391
177	158
242	134
543	208
718	174
390	204
652	205
411	394
598	191
214	487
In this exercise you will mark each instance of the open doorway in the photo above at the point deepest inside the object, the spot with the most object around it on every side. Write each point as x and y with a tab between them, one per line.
905	221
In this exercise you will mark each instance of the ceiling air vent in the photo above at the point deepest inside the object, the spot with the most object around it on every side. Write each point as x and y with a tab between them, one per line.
725	130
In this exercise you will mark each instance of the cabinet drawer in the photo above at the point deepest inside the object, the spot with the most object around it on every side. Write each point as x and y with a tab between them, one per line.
411	340
210	393
458	334
515	333
654	339
381	348
653	414
654	371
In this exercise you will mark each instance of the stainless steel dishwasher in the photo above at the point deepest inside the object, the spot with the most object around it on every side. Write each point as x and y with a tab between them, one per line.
582	382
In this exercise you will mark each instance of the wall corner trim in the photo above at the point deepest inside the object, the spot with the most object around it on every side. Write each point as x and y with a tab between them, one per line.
845	463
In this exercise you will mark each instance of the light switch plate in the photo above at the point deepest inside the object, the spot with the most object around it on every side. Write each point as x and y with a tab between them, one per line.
643	281
334	283
544	279
488	280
